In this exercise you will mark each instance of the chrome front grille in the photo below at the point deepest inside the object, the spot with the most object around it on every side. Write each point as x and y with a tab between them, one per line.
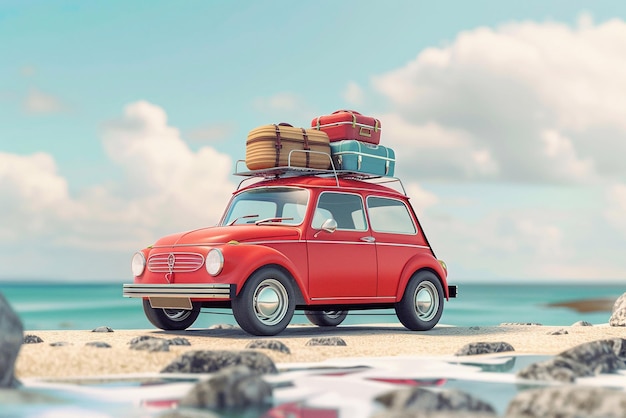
175	262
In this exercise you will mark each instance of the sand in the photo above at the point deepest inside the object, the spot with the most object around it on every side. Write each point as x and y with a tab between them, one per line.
42	360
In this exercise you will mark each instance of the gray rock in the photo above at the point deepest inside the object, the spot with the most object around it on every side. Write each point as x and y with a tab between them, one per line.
102	329
333	341
231	388
179	341
474	328
60	344
588	359
521	323
98	344
568	402
484	348
151	344
561	331
222	326
582	324
11	338
273	345
602	356
417	399
213	361
141	338
556	369
618	318
620	303
32	339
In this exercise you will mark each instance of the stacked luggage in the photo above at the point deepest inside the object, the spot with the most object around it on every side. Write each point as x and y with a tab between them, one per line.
351	139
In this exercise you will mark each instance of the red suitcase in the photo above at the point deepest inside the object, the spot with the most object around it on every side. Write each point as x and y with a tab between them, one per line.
348	124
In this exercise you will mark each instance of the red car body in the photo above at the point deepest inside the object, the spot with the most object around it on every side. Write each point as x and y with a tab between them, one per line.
323	244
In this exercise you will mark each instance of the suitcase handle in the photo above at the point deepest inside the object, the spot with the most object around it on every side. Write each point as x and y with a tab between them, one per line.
352	112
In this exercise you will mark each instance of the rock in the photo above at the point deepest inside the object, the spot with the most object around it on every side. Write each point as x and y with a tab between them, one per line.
602	356
32	339
141	338
334	341
588	359
179	341
274	345
11	338
582	324
568	402
520	323
151	344
484	348
420	400
222	326
561	331
556	369
206	361
620	303
231	388
474	328
102	329
59	344
98	344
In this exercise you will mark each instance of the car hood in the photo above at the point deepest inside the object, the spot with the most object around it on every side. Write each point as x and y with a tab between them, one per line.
225	234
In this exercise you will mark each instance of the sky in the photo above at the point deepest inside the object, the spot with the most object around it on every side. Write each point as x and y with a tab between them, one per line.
121	122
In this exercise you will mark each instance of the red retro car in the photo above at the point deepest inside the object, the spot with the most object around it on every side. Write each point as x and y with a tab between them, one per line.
321	242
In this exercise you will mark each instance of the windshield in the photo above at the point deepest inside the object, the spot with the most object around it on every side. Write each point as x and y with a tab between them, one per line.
268	205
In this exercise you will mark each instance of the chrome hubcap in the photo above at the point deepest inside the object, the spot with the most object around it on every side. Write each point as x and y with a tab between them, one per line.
177	314
270	302
426	301
333	314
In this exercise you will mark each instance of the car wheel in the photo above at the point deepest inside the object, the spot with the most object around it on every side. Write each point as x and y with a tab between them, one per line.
266	303
326	318
171	319
422	304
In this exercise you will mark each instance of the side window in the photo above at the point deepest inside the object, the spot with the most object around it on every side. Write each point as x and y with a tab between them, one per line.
345	209
390	215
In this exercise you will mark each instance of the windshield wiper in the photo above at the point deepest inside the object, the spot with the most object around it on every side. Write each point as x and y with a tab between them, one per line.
242	217
272	220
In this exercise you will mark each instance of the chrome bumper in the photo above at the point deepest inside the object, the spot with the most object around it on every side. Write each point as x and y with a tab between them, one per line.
192	291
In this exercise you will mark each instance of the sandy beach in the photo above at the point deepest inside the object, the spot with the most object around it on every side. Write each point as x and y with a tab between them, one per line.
42	360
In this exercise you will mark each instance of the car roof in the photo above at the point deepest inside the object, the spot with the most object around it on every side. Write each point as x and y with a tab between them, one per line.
330	183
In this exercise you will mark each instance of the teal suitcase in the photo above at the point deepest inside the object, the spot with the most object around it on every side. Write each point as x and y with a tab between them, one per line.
352	155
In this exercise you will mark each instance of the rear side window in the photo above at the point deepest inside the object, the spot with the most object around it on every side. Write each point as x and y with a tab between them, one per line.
390	215
346	209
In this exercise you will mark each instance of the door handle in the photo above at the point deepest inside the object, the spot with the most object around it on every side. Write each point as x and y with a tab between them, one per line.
368	239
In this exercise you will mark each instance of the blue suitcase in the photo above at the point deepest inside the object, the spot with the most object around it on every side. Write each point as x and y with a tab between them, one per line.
352	155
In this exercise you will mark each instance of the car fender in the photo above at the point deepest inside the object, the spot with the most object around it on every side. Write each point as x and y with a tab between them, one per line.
244	260
422	262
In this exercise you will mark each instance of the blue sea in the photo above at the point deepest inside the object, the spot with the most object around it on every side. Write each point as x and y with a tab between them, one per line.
46	306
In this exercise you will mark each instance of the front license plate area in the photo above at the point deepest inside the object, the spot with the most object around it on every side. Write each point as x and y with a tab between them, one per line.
170	303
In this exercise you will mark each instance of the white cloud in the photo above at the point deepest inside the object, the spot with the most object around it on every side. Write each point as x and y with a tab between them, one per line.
615	212
37	101
165	188
354	94
531	102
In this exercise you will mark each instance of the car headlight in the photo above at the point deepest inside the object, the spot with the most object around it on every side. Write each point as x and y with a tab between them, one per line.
138	264
214	262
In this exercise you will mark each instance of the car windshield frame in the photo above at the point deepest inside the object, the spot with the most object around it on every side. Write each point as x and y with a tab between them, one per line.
256	206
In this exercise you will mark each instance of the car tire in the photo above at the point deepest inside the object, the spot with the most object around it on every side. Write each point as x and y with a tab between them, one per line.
422	303
266	302
171	319
326	318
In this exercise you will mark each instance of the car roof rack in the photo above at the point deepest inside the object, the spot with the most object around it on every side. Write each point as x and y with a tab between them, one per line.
293	171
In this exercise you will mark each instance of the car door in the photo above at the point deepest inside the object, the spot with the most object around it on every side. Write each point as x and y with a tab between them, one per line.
342	264
397	240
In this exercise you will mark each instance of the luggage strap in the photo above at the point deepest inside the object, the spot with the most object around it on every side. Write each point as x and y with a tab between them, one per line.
278	145
306	146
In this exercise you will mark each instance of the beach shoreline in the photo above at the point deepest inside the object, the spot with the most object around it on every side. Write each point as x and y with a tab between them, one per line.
76	359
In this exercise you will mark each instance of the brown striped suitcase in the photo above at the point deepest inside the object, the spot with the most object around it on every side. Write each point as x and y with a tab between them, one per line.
270	146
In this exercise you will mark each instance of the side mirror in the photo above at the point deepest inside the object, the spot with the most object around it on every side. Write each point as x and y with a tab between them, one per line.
329	225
